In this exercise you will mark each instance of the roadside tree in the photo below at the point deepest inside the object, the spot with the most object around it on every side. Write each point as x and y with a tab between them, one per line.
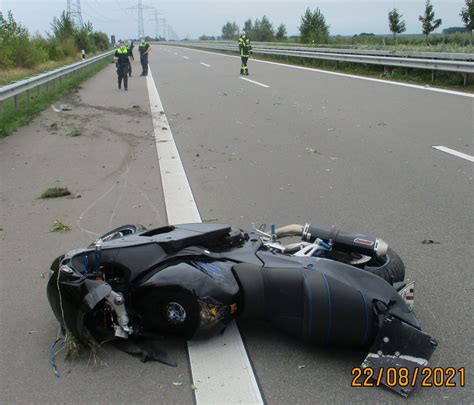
428	21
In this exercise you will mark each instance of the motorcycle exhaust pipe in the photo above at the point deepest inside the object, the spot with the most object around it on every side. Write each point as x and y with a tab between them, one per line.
346	241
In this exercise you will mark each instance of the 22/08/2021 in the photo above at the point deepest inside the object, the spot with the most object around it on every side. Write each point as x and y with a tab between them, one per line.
391	376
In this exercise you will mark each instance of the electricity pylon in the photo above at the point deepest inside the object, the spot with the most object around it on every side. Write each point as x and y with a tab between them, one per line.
74	11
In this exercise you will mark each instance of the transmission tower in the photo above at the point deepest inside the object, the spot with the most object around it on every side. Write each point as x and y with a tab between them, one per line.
140	7
156	20
74	11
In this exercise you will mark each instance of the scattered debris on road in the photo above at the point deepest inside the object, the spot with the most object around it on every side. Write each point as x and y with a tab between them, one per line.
62	107
430	242
59	226
55	192
75	132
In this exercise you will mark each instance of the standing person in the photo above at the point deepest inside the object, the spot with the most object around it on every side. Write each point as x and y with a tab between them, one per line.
130	57
122	62
144	49
245	48
132	45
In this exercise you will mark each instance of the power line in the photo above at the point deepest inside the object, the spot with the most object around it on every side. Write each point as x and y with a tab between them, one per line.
140	7
74	11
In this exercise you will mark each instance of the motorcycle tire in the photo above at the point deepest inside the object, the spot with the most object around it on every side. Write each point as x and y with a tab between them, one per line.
390	267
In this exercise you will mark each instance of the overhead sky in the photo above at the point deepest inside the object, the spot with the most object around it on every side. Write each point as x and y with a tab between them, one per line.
192	18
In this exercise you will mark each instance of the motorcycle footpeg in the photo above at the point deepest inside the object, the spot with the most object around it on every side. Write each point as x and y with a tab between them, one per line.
399	349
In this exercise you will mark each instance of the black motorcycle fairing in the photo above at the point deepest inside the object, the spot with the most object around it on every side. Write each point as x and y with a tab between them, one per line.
72	296
376	288
318	300
206	290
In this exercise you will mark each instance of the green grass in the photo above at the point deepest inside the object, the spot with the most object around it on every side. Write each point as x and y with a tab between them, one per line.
11	75
11	119
55	192
59	226
75	132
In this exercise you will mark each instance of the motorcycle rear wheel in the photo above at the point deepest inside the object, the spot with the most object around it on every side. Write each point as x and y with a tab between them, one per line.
390	267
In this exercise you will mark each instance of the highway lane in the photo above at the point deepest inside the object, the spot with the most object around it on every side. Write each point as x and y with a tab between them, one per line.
113	167
331	152
337	150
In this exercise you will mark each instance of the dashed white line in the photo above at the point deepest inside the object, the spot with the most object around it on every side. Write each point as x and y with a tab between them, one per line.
186	57
220	367
205	64
174	53
253	81
370	79
455	153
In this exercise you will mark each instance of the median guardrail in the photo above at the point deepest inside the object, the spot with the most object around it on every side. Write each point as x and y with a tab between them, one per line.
45	79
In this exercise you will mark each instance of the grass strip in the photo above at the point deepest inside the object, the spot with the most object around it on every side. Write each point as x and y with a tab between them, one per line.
11	118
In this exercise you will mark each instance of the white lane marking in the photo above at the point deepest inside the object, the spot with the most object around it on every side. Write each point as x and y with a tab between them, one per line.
179	200
413	86
220	367
253	81
174	53
221	370
186	57
205	64
455	153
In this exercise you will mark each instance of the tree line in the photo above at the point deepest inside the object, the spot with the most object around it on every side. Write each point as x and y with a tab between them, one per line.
20	49
313	28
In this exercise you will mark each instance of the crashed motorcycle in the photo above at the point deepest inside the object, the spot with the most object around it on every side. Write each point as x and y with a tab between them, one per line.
324	285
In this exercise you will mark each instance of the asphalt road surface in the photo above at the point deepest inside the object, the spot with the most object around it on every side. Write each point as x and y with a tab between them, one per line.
290	146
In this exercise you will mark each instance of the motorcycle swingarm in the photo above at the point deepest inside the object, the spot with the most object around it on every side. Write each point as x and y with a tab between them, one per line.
397	346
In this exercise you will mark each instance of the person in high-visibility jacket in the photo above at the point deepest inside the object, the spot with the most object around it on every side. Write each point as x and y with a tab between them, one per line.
122	63
245	48
144	49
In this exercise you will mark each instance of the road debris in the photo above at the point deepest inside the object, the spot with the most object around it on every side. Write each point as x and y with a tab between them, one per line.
62	107
59	226
430	242
55	192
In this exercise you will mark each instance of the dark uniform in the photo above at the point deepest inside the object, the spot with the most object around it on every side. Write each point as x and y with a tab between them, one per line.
143	49
122	66
245	48
130	54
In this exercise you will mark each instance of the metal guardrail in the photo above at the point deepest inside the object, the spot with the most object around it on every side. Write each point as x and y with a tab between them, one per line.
462	56
464	67
27	85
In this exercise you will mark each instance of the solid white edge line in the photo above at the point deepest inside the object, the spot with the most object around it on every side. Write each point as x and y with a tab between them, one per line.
455	153
370	79
255	82
205	64
220	367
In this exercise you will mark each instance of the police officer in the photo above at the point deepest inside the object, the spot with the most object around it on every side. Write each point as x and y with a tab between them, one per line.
130	56
122	63
245	48
144	49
